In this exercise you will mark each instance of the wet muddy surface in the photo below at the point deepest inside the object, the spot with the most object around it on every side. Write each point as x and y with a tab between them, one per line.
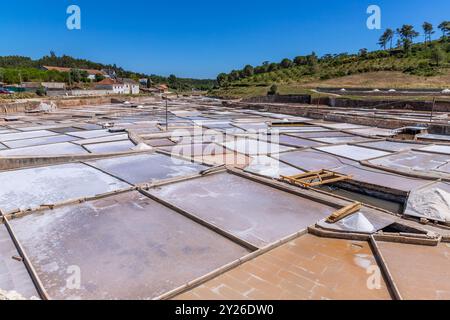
420	272
124	247
249	210
307	268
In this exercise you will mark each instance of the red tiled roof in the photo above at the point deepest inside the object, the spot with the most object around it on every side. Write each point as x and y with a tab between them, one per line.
62	69
107	81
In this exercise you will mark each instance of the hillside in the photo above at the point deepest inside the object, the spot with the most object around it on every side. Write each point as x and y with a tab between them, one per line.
386	79
14	69
424	65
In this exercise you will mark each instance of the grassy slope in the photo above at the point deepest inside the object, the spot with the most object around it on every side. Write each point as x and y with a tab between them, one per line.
386	79
382	79
378	70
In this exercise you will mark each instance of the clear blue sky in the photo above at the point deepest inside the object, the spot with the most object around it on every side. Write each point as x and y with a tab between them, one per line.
200	38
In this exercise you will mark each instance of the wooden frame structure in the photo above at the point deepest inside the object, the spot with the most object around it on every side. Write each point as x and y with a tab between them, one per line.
315	178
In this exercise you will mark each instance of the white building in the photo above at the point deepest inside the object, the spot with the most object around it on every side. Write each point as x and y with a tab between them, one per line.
127	86
131	86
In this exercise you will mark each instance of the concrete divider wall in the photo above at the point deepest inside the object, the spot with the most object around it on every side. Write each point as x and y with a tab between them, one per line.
439	129
325	113
18	106
304	98
67	102
26	162
59	93
340	102
440	105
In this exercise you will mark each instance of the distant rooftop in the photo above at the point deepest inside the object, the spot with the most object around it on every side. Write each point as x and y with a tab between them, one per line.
63	69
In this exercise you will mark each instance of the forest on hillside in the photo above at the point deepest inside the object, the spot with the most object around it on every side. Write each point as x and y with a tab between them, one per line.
398	52
17	69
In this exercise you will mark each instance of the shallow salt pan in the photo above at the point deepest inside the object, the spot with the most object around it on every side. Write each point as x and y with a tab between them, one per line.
249	210
91	134
413	160
441	149
127	246
391	145
39	141
255	147
33	187
337	140
270	167
26	135
110	147
147	167
64	148
353	152
117	137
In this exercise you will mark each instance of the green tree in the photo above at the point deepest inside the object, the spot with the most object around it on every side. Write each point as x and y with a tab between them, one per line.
389	36
386	38
363	52
286	63
312	63
438	56
273	67
407	35
41	91
99	77
273	90
222	79
234	75
428	30
260	69
84	76
173	81
265	66
445	28
75	75
312	59
248	71
300	60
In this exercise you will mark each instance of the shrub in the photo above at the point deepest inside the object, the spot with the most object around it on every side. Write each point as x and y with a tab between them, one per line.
41	91
273	90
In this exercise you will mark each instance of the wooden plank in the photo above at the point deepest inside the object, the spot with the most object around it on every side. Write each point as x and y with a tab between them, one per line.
344	212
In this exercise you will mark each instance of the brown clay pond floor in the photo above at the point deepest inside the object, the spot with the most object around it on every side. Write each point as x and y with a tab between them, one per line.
308	267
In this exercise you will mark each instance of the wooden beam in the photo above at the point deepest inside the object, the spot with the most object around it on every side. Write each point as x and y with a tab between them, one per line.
344	212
